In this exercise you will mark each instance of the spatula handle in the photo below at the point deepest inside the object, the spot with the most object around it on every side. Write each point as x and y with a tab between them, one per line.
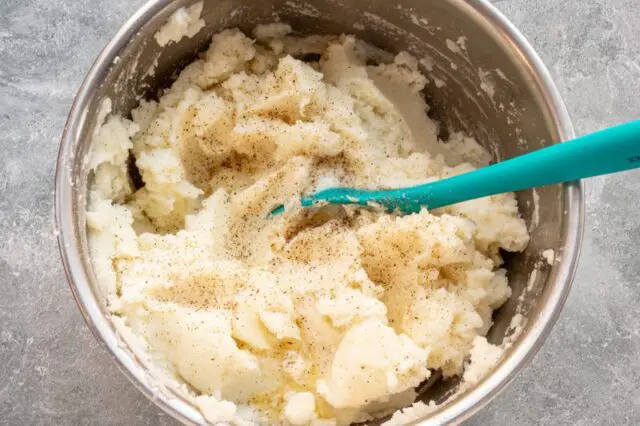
608	151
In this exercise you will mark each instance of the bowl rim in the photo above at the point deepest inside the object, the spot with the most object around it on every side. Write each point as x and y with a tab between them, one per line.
77	271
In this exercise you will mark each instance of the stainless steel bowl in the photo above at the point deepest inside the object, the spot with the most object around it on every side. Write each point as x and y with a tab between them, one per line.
511	111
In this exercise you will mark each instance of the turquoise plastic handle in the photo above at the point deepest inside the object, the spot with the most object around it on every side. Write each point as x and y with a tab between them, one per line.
608	151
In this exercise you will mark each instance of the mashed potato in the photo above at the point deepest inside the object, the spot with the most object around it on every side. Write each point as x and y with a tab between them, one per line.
316	317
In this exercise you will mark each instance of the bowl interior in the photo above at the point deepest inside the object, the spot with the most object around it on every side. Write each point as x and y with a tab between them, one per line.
480	83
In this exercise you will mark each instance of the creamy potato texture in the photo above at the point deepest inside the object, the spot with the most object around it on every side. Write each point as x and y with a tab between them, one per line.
320	316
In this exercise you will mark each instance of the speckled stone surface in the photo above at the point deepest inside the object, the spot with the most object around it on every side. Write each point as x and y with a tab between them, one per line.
52	370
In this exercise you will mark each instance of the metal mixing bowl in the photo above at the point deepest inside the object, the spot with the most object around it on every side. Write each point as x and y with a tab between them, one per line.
499	91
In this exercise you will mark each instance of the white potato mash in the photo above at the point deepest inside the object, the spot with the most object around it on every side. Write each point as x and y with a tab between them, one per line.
316	317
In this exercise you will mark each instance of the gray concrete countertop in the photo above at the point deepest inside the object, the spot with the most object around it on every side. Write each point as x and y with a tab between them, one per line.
52	370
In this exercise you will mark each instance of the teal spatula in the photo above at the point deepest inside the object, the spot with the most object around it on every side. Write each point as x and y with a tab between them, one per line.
608	151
